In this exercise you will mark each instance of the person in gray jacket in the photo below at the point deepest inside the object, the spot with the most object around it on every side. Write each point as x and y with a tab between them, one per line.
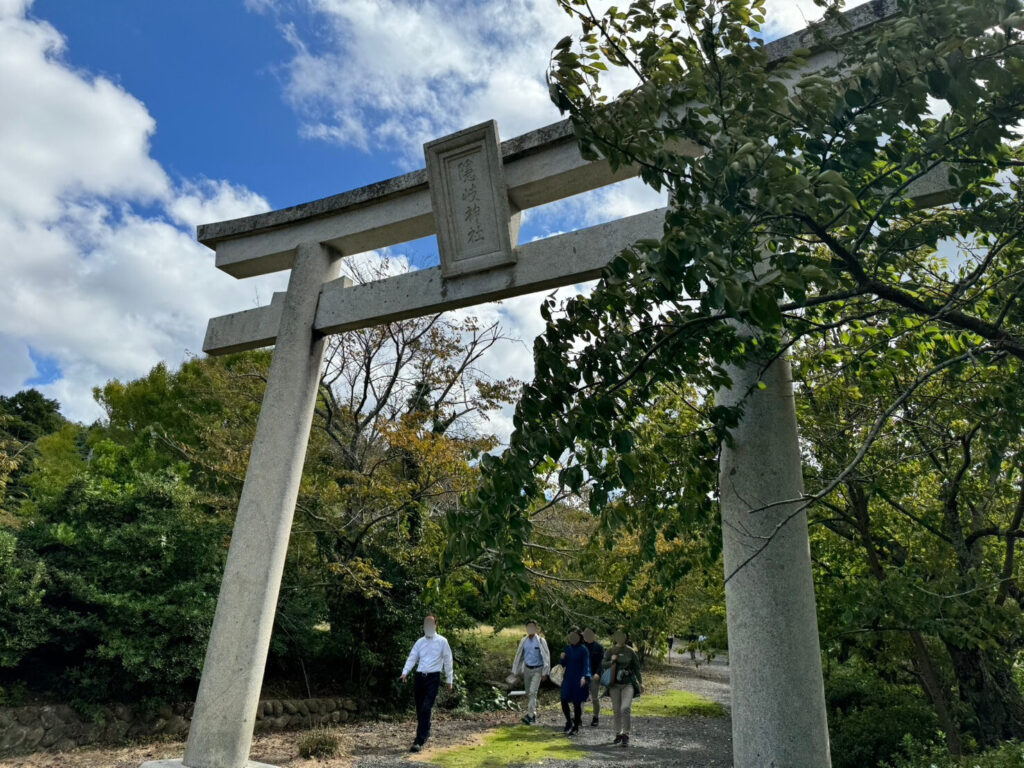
533	662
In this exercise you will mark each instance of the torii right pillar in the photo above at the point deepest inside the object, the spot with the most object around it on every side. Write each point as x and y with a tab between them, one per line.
778	696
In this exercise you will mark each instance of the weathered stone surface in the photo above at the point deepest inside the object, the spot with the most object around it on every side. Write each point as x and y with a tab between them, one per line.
469	197
350	705
33	736
343	716
65	745
778	701
176	725
289	707
335	716
115	730
276	708
12	738
48	717
222	726
51	737
27	716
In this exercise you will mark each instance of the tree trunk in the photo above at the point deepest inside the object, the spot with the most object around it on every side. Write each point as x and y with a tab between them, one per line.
927	674
987	685
936	692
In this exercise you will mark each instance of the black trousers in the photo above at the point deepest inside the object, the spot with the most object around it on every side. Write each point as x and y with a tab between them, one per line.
577	712
425	690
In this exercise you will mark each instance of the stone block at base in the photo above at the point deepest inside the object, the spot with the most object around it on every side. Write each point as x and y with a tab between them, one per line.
178	764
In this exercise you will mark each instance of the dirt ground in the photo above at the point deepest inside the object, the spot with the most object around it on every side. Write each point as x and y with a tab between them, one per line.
384	742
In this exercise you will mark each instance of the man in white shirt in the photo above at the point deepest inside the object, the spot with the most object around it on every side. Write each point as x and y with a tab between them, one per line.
429	655
533	662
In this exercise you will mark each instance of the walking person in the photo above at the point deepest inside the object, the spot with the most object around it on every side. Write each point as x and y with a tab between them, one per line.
533	662
596	651
429	656
625	682
575	683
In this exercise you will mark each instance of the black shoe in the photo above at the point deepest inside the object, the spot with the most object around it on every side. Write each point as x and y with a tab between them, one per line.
526	720
618	739
568	726
575	730
594	721
415	748
625	739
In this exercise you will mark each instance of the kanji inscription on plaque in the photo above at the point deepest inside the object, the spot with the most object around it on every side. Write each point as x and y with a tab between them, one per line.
468	194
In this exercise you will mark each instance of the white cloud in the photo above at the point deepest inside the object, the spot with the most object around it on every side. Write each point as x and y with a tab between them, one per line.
392	74
785	16
91	283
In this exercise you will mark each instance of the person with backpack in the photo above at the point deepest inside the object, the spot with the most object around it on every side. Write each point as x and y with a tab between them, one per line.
624	683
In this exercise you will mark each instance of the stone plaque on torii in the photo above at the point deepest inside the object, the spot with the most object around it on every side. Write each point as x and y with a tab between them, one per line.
470	195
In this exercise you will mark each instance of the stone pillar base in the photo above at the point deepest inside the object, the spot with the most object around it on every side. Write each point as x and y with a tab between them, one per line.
177	763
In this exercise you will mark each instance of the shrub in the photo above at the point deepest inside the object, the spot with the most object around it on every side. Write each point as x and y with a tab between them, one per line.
1008	755
131	577
869	718
493	700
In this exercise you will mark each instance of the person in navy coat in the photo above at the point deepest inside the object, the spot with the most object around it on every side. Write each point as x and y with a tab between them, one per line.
576	681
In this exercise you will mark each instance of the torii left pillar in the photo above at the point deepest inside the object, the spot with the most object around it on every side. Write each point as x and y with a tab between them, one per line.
220	735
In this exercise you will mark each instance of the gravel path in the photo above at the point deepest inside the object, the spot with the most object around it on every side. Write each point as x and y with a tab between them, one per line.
680	742
383	742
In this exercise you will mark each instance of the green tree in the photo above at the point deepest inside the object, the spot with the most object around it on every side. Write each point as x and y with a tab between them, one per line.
916	550
25	417
791	211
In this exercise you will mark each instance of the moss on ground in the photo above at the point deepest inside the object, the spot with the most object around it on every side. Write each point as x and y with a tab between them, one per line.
676	704
517	745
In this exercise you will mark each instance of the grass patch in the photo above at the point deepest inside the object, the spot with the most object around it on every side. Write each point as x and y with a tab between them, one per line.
505	746
319	742
502	643
676	704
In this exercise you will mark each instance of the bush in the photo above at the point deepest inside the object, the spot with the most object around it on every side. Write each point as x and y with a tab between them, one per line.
493	700
132	571
319	742
1008	755
869	718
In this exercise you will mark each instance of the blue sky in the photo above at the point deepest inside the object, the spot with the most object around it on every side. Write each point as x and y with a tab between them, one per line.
126	123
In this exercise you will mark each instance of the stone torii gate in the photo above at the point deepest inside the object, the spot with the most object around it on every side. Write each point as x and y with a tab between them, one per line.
471	195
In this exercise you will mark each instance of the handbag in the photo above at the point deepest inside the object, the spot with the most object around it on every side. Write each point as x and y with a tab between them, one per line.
606	677
556	674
